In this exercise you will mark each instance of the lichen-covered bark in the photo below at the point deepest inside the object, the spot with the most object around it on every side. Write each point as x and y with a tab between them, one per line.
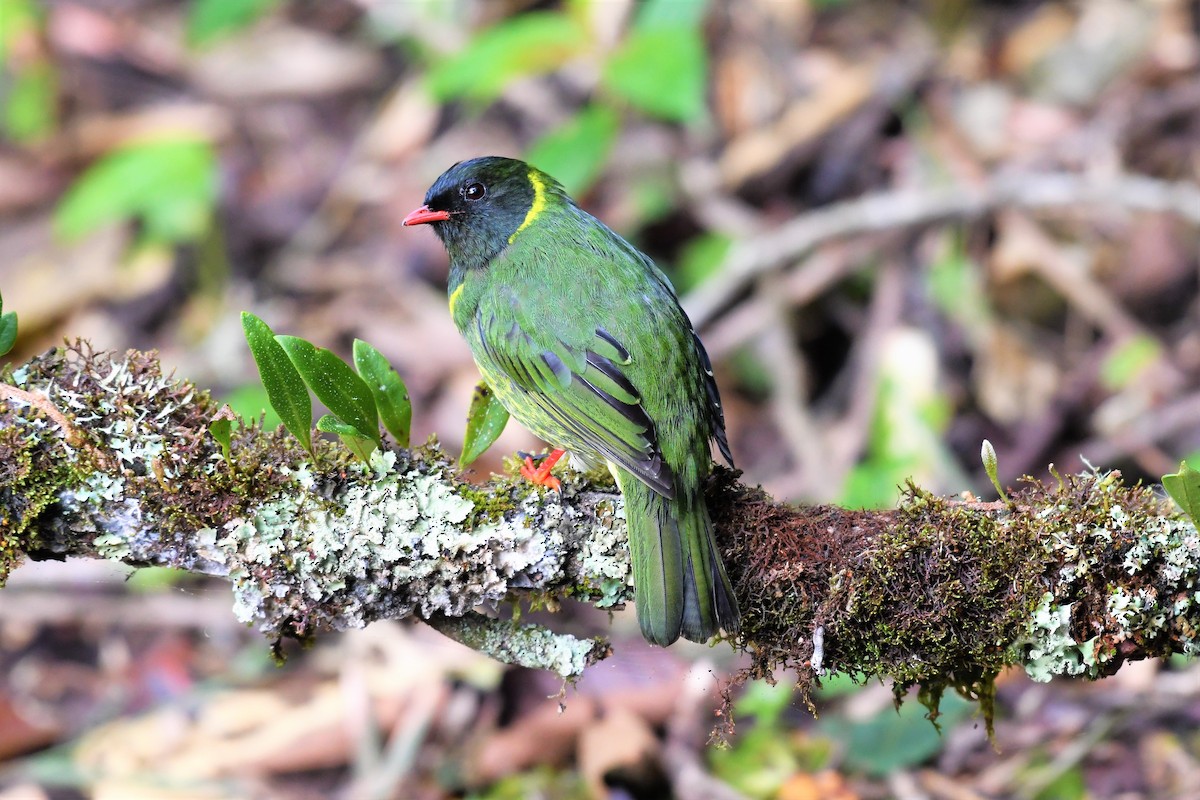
1070	579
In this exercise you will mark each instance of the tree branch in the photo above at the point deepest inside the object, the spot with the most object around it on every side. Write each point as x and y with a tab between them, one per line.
1070	579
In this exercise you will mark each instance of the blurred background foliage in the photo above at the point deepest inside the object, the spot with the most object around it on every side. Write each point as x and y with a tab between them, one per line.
168	165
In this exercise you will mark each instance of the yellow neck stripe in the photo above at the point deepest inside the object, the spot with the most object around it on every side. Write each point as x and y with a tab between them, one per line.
454	297
539	203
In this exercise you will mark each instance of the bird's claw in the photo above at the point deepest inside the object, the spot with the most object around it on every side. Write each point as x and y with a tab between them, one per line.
540	475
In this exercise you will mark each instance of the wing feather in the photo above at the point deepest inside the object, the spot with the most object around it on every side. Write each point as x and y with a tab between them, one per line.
586	393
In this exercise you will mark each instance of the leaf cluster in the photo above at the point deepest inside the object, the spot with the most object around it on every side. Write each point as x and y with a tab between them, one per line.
358	398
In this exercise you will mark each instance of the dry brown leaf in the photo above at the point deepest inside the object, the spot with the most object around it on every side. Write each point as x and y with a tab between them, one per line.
945	787
1014	379
24	183
1044	30
841	90
24	791
548	735
824	785
291	727
545	736
279	60
619	742
237	733
46	280
21	731
404	122
93	135
153	790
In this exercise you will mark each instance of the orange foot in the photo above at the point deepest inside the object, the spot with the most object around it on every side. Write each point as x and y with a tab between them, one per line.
541	474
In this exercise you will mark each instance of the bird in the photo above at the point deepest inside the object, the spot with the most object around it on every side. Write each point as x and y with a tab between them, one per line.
583	340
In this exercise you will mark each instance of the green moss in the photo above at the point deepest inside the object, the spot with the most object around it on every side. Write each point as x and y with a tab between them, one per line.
36	465
490	503
975	578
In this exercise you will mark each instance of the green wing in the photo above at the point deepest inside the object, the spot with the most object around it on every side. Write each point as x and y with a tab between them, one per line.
584	392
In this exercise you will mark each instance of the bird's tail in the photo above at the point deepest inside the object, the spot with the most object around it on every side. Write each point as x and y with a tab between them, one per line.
680	581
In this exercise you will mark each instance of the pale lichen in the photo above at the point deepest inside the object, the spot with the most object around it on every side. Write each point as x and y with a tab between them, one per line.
612	576
524	645
1125	566
399	542
1049	648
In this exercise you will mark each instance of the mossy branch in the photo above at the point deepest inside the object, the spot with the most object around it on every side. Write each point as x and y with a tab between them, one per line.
1070	579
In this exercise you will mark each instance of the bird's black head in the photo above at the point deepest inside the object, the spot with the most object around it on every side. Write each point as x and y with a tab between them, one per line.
476	207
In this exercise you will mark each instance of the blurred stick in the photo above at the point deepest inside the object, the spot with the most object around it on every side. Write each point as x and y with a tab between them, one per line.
934	592
902	208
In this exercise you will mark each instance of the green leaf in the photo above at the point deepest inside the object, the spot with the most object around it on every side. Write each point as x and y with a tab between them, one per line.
762	758
1184	488
209	20
169	184
19	20
391	395
250	401
31	107
893	740
701	259
8	332
150	580
662	71
841	684
285	388
576	152
526	44
336	385
1070	784
664	13
361	446
485	422
222	430
1128	360
765	702
955	285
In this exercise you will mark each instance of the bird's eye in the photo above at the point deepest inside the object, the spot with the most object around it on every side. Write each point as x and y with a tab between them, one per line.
474	191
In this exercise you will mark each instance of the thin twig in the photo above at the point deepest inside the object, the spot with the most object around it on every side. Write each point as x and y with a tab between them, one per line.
909	207
43	404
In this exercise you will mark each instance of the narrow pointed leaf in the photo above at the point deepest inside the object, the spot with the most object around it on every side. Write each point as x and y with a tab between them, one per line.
285	388
485	422
336	385
1184	488
360	445
388	389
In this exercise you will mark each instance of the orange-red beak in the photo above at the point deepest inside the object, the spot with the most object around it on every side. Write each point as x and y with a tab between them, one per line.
424	215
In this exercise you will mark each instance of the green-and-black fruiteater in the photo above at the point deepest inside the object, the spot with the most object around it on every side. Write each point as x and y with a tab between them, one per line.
582	339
